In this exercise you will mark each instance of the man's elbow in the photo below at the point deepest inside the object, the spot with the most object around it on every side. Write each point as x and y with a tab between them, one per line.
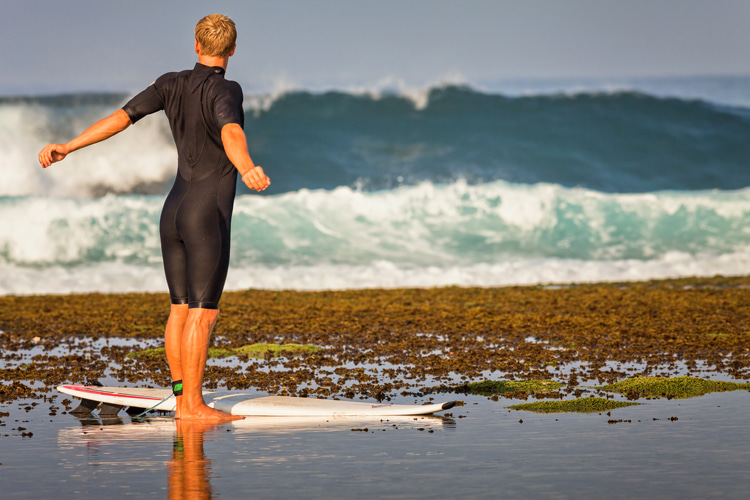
122	119
231	133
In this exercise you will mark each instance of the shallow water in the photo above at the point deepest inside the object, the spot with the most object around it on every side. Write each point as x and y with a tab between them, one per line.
693	448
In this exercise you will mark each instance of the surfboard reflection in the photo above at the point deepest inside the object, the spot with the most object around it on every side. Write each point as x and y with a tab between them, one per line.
161	427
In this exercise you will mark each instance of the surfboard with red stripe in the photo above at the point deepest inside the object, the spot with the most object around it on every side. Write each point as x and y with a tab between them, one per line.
241	403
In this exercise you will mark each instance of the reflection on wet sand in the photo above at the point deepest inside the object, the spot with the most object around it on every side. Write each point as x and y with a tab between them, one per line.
189	469
122	443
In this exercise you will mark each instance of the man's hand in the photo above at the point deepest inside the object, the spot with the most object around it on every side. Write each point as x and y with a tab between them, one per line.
99	131
52	153
256	179
235	145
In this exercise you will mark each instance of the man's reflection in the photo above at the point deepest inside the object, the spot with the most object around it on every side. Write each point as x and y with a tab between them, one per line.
189	468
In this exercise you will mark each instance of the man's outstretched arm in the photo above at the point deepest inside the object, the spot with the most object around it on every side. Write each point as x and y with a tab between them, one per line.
99	131
235	144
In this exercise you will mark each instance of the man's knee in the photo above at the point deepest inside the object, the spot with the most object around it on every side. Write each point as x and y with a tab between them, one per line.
204	318
178	310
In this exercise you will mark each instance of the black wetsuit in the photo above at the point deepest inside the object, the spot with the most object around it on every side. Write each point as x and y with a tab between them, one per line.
195	221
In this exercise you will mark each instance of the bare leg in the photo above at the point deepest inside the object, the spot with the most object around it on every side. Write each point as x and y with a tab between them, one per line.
193	354
172	341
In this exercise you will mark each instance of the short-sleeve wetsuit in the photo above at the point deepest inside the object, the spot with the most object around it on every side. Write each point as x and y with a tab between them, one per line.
195	221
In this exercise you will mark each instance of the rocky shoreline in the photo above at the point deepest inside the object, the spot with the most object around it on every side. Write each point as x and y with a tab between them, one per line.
423	340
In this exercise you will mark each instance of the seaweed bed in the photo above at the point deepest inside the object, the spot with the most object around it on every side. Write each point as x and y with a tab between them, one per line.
378	343
677	387
251	350
580	405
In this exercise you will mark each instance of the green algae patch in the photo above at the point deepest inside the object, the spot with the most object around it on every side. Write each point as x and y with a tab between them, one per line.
161	352
580	405
252	350
218	352
153	352
276	350
675	387
490	387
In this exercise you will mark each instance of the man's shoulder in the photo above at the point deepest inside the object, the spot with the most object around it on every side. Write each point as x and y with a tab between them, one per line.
222	88
172	77
228	85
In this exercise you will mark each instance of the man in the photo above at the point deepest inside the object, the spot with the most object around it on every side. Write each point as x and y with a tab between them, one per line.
206	117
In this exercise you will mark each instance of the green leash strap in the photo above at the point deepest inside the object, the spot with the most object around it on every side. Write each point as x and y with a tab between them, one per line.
148	410
177	387
176	391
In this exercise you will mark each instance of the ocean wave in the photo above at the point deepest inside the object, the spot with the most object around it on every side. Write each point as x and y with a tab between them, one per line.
731	91
607	140
443	225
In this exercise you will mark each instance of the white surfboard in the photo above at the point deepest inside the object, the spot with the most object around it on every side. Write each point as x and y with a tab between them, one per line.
246	404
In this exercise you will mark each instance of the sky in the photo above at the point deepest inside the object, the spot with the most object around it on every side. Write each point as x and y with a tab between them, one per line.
94	45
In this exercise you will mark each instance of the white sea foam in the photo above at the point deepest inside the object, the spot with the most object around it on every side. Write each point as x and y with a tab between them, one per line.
490	234
106	167
263	100
459	223
418	94
18	150
46	232
451	224
115	277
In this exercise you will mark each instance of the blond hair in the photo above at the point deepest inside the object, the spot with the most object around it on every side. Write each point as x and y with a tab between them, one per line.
216	34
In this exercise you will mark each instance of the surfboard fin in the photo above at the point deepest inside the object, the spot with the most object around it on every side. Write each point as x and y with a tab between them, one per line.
86	406
109	410
133	411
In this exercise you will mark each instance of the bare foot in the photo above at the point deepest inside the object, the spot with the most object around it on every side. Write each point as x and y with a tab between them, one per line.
206	413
